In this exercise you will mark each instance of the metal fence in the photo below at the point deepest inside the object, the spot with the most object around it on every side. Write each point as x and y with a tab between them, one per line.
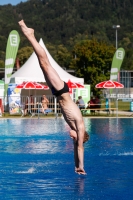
35	108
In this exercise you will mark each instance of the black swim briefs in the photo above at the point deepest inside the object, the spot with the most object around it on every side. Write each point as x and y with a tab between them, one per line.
65	89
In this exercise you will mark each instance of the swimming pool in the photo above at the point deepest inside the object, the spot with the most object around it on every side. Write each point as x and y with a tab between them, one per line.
36	160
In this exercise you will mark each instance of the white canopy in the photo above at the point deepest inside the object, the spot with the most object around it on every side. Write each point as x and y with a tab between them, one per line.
31	70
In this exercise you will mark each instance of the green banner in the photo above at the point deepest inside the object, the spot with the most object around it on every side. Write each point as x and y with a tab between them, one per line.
116	64
11	52
84	92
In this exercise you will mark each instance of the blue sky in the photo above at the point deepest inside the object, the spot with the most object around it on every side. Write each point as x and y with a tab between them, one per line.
13	2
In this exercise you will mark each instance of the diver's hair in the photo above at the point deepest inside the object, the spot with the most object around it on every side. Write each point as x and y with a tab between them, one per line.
86	137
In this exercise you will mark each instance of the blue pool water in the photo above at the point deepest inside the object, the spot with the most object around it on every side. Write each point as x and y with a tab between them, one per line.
36	160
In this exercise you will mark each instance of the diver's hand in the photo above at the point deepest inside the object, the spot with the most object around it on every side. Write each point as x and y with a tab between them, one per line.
80	171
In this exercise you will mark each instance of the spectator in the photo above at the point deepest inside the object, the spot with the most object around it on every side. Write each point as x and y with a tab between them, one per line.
29	104
97	102
91	103
44	102
80	102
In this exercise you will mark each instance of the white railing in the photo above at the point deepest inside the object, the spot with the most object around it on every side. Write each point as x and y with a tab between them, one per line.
18	104
53	106
119	96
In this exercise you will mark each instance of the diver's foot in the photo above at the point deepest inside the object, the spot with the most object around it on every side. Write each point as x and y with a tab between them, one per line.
28	32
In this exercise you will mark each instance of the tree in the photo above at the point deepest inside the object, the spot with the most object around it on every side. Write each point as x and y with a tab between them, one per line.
128	60
92	61
63	56
2	64
24	53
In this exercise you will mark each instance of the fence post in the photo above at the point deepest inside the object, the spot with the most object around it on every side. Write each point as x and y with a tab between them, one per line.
55	107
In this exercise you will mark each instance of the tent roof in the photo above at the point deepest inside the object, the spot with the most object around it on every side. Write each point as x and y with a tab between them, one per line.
31	70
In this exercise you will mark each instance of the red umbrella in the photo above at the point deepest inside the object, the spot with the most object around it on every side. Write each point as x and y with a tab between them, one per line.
73	85
32	85
109	84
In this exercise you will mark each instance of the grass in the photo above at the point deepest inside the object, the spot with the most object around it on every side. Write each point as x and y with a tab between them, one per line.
125	106
122	106
8	115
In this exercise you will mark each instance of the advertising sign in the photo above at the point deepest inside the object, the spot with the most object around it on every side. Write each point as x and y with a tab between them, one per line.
1	89
116	64
14	99
11	52
84	92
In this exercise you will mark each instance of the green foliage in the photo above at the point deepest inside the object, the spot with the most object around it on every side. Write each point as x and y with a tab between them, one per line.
128	60
70	26
58	21
23	54
92	61
2	64
63	56
2	59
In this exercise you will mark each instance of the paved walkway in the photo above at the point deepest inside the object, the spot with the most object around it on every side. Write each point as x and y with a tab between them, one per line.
126	113
114	114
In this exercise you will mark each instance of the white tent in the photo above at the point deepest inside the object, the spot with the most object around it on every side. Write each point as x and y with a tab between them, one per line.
31	70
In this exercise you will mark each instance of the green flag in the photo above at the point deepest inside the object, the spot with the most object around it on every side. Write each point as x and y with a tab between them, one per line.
11	52
116	64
